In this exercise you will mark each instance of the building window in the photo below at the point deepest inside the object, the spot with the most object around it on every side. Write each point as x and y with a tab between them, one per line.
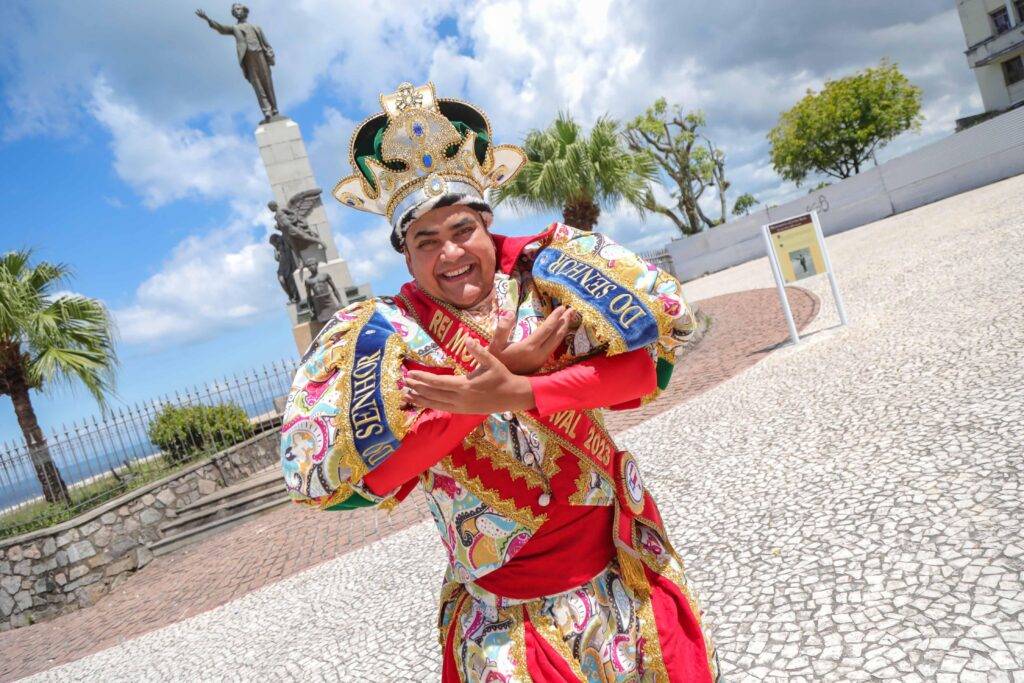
1019	4
1000	20
351	292
1013	70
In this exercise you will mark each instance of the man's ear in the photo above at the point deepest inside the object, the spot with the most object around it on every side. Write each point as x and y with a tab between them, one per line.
487	218
408	261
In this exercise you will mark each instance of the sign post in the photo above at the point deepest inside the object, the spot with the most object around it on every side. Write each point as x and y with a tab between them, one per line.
836	296
796	250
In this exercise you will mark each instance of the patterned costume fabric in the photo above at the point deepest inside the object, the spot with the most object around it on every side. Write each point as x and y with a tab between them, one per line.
345	416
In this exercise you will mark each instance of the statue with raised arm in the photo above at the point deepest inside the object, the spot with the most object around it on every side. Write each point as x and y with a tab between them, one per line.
322	295
255	55
286	264
291	221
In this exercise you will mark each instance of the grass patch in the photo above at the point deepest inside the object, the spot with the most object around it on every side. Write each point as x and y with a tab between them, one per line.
85	497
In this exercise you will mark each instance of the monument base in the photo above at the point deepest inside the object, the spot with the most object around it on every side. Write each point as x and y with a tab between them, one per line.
338	271
304	334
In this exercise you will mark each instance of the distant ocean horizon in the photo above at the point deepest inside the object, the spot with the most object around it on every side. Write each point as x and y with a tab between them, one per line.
88	454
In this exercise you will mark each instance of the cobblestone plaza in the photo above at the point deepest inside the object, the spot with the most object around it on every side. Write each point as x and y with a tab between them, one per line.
849	509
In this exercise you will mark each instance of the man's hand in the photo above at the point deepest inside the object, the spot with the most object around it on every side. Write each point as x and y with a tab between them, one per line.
527	356
202	15
489	388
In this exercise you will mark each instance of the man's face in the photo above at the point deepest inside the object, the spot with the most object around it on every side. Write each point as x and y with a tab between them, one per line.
451	255
240	12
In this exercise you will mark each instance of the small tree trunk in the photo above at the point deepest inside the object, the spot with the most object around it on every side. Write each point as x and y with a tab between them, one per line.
54	488
696	224
581	214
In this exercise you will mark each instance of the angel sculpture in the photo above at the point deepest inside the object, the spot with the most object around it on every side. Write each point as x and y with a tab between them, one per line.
291	221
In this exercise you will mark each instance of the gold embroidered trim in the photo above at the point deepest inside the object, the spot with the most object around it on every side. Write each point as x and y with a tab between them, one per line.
457	640
490	161
457	314
417	184
678	577
621	273
653	659
391	372
517	634
605	332
410	311
340	495
660	353
549	465
568	445
483	115
449	594
582	484
549	462
546	627
344	454
503	460
505	507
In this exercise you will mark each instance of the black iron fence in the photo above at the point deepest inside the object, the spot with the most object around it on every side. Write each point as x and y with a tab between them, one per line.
99	458
660	258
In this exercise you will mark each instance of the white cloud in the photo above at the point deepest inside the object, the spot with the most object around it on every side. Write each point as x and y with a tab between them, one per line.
164	163
221	280
369	253
742	64
218	280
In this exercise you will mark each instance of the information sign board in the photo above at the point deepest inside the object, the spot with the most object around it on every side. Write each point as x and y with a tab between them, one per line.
796	250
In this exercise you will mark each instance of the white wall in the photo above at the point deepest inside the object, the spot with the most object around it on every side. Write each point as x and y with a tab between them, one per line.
992	85
980	155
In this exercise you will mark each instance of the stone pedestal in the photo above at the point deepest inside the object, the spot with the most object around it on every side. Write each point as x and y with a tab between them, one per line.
303	334
288	168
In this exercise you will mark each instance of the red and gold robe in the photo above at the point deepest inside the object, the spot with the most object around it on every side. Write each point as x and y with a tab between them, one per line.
559	567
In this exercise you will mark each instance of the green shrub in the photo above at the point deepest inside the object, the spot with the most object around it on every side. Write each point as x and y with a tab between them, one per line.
183	432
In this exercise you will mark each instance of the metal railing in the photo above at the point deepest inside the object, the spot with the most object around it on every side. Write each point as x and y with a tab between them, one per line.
98	458
659	258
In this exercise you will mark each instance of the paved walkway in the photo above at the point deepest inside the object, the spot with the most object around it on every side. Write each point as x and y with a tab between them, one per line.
745	327
850	509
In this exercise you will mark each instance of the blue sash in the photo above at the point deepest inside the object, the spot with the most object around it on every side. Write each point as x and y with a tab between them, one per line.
576	282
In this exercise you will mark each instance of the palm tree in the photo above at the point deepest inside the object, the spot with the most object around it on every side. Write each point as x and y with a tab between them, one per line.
579	174
49	338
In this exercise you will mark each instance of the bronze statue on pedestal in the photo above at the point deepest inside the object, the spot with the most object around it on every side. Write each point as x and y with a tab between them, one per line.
255	56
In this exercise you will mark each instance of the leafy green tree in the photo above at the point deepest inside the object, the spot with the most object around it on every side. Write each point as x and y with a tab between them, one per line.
686	157
837	130
48	339
577	173
744	203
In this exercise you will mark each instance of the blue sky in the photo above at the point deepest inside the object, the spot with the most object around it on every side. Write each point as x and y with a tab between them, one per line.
127	148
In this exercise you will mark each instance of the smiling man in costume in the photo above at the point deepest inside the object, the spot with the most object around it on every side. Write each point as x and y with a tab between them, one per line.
482	381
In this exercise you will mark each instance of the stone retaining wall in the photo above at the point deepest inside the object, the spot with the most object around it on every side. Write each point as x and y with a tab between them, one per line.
61	568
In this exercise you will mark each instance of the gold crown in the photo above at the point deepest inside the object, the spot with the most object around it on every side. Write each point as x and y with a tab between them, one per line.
419	148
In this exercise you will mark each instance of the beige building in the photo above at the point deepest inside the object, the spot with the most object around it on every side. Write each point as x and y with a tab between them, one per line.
994	31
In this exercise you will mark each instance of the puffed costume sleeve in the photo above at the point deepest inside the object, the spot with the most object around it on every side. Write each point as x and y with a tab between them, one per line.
345	416
625	302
